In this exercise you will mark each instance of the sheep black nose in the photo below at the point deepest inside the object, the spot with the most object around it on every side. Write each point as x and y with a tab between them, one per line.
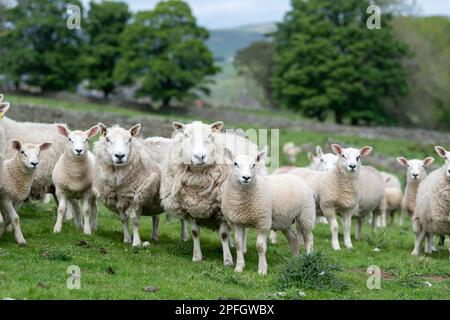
200	157
415	175
34	164
119	156
246	178
352	166
78	150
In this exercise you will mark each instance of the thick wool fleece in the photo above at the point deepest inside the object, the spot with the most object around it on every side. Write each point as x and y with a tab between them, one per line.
17	180
74	174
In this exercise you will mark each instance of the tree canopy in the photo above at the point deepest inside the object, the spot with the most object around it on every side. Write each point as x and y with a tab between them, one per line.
164	51
328	61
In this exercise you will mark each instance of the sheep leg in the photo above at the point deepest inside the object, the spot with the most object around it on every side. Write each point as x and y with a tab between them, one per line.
300	239
195	230
374	222
126	228
358	229
86	214
155	227
401	217
245	240
239	239
441	240
334	227
183	230
3	224
347	220
62	207
224	232
75	206
273	236
8	208
94	213
419	238
261	245
136	237
448	249
292	240
433	246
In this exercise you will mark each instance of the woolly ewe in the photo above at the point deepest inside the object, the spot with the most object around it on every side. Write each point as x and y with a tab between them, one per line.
264	203
127	178
17	178
432	212
192	178
72	177
338	190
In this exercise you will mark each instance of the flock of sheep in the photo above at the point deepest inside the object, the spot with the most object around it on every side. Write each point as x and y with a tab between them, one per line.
205	177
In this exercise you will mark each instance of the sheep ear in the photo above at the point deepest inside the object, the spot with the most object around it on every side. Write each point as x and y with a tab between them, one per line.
217	126
319	151
102	128
16	145
261	155
310	157
402	161
178	126
135	130
337	149
364	151
4	107
44	146
229	155
63	130
441	151
92	131
427	161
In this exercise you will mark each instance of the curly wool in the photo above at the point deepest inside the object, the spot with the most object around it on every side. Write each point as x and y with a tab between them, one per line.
36	133
131	188
197	193
17	180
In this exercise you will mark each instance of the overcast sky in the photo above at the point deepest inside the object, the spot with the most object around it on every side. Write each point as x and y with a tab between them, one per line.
216	14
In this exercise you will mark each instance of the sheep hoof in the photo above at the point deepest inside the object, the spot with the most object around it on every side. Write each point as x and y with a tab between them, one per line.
239	269
127	241
22	244
414	253
262	272
197	258
155	239
228	263
137	244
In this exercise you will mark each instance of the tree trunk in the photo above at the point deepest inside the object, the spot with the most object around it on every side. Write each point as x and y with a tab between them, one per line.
339	117
355	122
105	94
166	103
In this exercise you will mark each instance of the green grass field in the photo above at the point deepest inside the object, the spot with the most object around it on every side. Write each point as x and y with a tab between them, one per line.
113	270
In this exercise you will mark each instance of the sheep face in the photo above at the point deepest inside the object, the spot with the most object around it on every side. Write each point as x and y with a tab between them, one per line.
77	141
446	155
350	158
118	142
327	162
244	166
29	153
415	167
198	144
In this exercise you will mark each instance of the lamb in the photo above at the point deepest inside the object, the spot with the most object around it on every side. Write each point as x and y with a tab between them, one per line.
415	174
72	178
338	190
266	203
393	197
192	177
17	177
432	212
127	178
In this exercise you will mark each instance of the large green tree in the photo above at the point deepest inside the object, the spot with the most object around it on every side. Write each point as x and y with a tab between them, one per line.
328	61
257	62
105	22
37	47
164	52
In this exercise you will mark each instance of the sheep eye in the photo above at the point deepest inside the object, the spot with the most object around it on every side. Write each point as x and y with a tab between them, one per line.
343	156
357	158
22	152
253	165
235	164
129	140
321	160
85	140
70	140
108	140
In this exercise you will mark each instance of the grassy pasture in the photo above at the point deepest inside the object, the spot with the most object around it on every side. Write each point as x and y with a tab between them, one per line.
113	270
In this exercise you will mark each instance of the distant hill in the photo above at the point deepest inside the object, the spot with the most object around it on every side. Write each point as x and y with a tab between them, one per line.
224	43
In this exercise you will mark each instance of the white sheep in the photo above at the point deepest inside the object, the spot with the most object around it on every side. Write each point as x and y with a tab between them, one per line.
290	150
72	178
17	177
393	198
4	107
127	178
415	174
266	203
432	212
192	177
338	190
